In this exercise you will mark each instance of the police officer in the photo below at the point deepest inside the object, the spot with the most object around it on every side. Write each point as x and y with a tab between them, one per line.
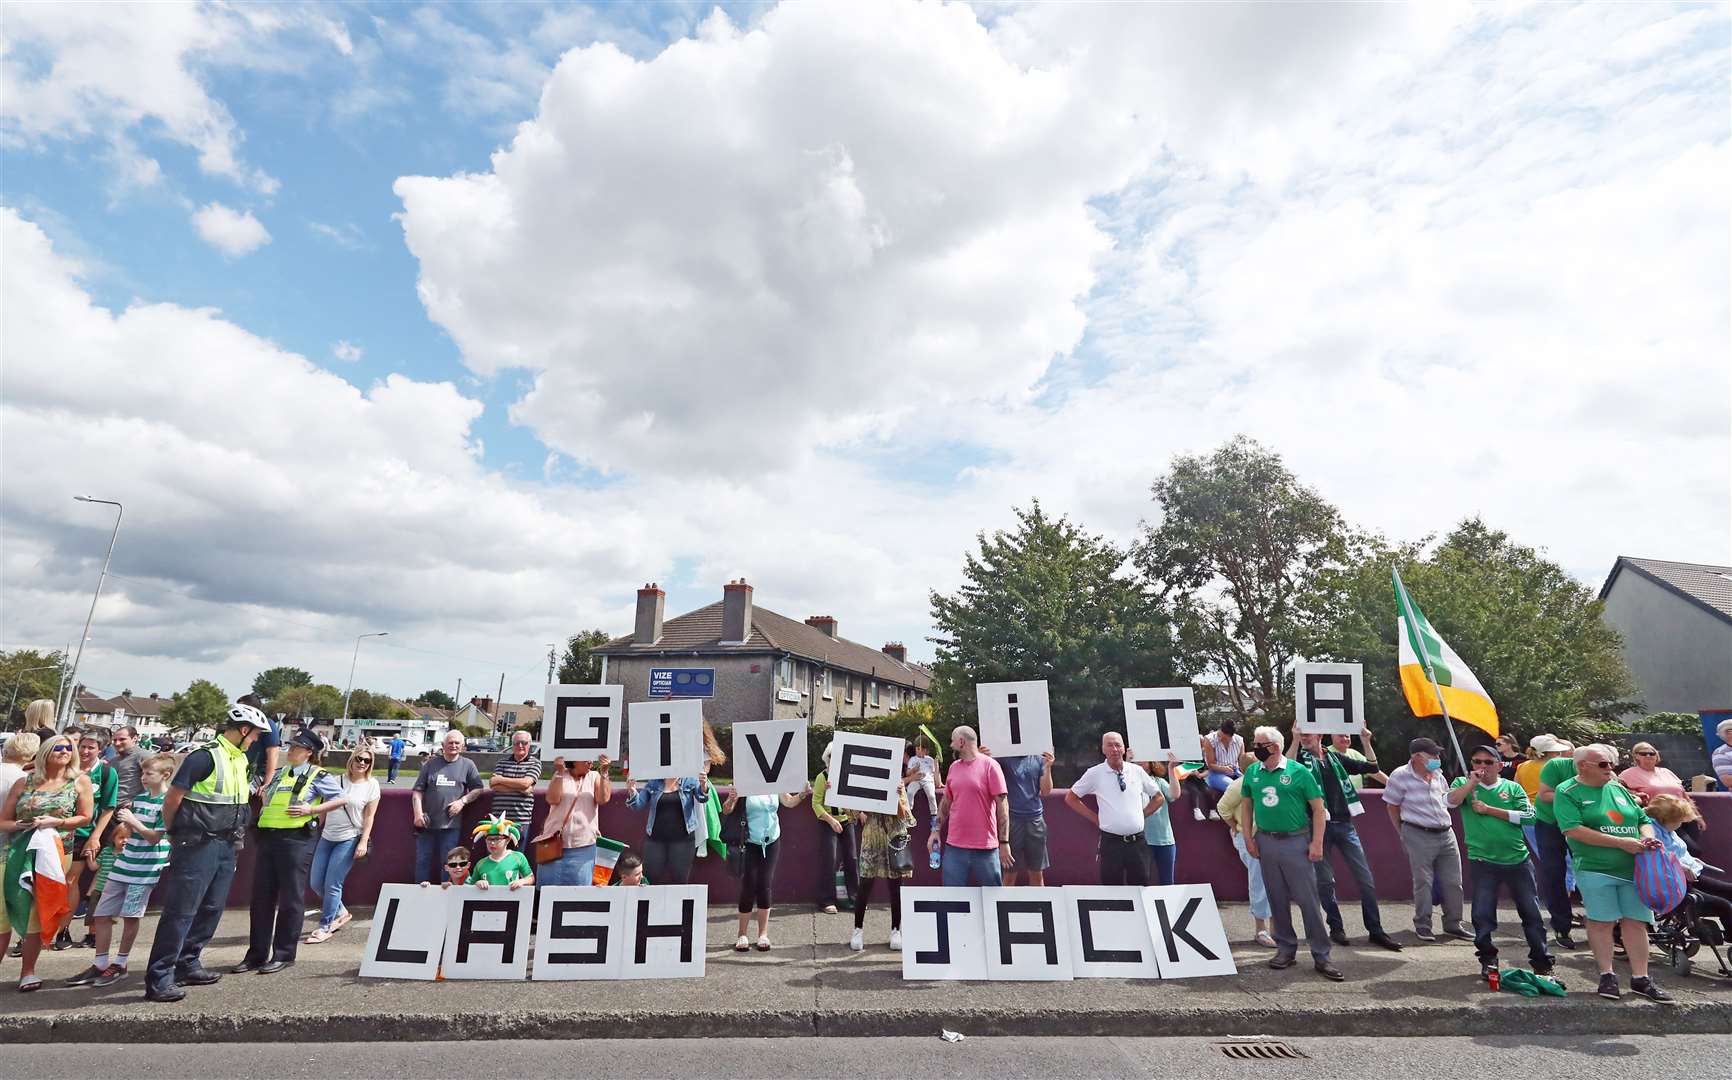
204	813
291	804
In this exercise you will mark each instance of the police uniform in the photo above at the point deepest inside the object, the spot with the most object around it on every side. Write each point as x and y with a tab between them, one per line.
203	838
284	858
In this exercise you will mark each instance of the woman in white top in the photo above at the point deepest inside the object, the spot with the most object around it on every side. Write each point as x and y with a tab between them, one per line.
1223	751
348	831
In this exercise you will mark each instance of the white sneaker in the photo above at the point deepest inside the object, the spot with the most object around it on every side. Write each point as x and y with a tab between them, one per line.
1214	815
1196	813
857	940
895	941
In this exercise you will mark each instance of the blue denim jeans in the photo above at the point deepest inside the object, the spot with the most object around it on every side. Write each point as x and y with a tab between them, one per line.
331	862
1253	879
1342	836
1554	876
195	886
1519	881
575	867
971	866
1166	857
430	848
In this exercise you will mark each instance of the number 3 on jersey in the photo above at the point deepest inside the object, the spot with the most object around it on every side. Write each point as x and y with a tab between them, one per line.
1271	797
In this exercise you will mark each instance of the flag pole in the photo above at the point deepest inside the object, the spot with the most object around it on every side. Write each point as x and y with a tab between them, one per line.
1409	617
1447	726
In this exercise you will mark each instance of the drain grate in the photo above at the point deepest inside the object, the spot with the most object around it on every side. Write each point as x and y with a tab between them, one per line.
1261	1050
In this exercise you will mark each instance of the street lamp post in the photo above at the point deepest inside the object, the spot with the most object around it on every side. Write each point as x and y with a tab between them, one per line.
15	686
352	661
72	681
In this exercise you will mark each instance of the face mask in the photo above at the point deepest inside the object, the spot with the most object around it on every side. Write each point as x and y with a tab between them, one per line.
1262	753
1433	764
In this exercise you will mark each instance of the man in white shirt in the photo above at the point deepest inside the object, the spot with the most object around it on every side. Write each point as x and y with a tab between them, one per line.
1125	796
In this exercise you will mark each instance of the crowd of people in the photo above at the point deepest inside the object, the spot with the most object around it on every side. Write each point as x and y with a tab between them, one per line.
1551	828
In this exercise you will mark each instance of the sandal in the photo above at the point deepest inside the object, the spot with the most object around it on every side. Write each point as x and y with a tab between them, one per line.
322	934
29	983
742	945
763	944
1265	940
343	919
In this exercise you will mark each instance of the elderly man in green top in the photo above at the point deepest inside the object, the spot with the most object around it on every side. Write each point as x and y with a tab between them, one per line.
1285	802
1493	812
1606	829
1552	851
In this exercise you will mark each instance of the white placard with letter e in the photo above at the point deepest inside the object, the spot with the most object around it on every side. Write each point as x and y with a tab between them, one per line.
864	772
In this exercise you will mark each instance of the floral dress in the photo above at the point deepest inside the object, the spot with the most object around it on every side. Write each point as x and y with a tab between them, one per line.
875	837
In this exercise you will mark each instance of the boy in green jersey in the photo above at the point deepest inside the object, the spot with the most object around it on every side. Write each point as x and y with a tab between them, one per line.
1493	812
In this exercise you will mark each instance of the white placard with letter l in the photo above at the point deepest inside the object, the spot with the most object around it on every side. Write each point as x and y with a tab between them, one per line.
1028	935
943	934
1110	933
487	932
770	757
864	772
1015	717
578	933
408	934
1162	720
1329	699
666	739
582	722
1185	926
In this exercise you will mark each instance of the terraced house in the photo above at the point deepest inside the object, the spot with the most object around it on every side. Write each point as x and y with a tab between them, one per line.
750	663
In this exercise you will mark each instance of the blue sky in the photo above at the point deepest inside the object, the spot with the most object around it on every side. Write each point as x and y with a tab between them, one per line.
813	294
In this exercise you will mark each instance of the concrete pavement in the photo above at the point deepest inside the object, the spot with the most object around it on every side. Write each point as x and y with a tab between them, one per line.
810	984
922	1058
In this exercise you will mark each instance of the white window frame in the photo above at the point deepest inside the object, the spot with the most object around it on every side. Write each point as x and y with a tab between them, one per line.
872	693
829	689
785	672
848	690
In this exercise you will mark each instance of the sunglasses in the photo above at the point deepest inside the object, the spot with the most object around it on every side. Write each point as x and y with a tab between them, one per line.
1121	781
60	750
1647	753
1600	764
455	865
363	759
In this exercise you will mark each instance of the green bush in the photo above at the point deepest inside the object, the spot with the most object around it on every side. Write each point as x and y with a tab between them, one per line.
1681	723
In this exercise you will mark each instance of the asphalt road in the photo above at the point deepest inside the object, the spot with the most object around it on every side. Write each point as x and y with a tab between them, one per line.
998	1058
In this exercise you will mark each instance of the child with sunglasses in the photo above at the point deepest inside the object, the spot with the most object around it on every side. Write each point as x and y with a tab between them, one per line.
347	834
456	869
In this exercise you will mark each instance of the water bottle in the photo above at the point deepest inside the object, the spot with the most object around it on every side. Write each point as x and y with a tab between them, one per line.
932	860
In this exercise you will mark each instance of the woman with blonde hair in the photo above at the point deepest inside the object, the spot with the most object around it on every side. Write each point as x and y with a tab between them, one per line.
39	714
345	836
1670	813
55	796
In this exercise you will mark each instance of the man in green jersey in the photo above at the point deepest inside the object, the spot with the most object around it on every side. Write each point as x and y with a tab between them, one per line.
1606	829
1493	812
1284	801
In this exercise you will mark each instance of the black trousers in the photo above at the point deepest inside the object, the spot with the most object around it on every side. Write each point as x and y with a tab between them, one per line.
865	899
280	868
1124	862
1553	893
832	845
669	862
760	871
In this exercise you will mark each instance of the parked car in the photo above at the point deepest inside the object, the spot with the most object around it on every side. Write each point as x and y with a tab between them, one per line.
482	745
185	748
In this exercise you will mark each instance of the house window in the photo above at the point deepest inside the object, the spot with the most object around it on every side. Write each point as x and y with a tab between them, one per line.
785	673
829	692
805	678
895	696
872	692
848	690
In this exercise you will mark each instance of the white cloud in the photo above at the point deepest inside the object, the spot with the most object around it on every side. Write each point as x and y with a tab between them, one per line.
345	235
346	351
232	232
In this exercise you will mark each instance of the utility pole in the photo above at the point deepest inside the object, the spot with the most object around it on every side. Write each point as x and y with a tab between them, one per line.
550	647
498	701
66	709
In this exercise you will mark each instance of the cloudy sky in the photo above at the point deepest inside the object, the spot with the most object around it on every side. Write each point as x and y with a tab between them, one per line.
461	322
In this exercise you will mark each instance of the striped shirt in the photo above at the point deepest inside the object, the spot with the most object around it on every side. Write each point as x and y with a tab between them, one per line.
516	805
140	862
1422	796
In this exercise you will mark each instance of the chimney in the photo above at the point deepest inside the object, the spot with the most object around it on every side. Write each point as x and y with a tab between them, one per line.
736	611
153	695
650	599
485	704
824	624
896	651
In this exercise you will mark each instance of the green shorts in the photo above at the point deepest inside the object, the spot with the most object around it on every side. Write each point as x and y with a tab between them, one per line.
1607	899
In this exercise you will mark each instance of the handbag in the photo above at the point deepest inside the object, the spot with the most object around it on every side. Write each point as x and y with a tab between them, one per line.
733	830
549	847
901	858
1659	880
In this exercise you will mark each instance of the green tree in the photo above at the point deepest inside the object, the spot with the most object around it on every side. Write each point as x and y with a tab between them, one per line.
367	705
319	702
1049	601
1239	547
269	683
25	675
437	699
202	704
1531	633
577	665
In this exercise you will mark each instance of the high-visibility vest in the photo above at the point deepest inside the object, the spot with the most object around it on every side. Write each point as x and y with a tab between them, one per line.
217	805
281	794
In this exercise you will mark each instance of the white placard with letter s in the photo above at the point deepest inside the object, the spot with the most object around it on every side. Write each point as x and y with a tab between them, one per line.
1015	717
666	739
578	932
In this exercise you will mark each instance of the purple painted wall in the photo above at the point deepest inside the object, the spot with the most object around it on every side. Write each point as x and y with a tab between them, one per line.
1205	852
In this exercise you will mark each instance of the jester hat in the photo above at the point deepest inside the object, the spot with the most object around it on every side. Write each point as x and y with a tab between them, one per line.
498	825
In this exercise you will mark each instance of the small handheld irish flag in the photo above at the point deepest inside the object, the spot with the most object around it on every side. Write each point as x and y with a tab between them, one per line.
607	853
1427	659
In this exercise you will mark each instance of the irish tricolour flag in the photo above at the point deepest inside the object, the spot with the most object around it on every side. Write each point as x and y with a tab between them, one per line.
1427	659
607	853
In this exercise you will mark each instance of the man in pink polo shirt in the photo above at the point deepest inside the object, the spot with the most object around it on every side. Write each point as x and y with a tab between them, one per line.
976	807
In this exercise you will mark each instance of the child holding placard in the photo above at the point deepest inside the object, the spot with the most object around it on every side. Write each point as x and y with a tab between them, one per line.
456	868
